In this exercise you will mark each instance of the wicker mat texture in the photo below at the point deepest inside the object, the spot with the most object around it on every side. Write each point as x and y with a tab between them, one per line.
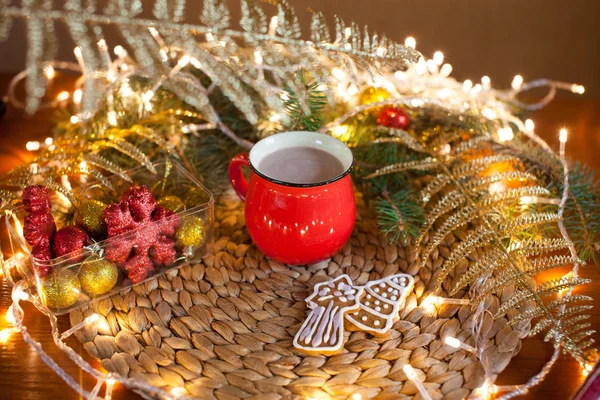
223	329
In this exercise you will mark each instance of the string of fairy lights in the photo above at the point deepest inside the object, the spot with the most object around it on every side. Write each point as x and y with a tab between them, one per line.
426	82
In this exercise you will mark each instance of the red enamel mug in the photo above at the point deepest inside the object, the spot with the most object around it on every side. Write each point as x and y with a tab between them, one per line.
296	223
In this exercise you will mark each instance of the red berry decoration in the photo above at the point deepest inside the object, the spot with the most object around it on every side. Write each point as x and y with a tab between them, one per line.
393	117
39	226
151	228
70	239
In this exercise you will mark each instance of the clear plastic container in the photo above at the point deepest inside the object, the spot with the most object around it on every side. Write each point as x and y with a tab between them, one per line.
76	279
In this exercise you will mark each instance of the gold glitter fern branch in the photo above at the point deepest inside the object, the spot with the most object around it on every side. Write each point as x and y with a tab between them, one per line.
494	201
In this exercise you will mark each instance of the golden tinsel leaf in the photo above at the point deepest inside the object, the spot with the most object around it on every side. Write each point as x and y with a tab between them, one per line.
469	145
491	261
425	164
100	162
57	187
538	246
129	150
530	267
538	311
97	175
545	289
402	136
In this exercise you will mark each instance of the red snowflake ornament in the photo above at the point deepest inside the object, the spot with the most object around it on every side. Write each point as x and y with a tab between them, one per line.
149	243
39	226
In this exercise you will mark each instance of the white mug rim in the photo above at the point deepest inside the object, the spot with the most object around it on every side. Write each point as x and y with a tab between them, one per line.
318	140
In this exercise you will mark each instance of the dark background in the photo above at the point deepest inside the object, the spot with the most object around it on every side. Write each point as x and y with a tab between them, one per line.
555	39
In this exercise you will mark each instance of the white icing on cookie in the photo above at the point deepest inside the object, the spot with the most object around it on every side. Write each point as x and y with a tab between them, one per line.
379	289
323	329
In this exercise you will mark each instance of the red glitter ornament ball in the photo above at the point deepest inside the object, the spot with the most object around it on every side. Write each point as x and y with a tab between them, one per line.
393	117
69	239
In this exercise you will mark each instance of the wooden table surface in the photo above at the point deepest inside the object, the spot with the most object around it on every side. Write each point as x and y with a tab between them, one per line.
24	376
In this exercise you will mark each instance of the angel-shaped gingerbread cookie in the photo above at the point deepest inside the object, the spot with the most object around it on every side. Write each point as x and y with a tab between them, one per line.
323	329
373	307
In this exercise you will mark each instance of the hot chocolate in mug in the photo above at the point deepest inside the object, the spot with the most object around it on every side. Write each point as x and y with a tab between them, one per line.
300	205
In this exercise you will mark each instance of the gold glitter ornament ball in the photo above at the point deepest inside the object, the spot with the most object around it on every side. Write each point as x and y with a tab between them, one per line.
191	232
98	275
195	197
60	289
171	203
90	217
373	95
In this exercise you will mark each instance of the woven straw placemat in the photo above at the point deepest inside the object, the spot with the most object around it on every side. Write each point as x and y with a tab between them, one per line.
223	328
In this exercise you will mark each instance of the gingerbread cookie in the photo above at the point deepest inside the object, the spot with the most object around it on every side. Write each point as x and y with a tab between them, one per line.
379	306
323	329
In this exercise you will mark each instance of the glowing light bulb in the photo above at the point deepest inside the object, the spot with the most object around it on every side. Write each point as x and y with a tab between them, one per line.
352	90
92	318
32	146
74	119
111	116
273	26
347	32
486	82
275	118
562	135
77	52
183	61
102	44
380	51
77	95
421	66
178	392
10	316
529	125
62	96
438	57
452	342
48	141
338	73
83	166
195	62
517	82
467	85
505	134
20	294
340	131
258	58
5	334
446	70
489	113
119	51
410	372
49	71
146	97
579	89
410	42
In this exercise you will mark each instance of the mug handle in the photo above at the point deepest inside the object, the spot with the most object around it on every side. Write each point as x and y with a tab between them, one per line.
239	183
